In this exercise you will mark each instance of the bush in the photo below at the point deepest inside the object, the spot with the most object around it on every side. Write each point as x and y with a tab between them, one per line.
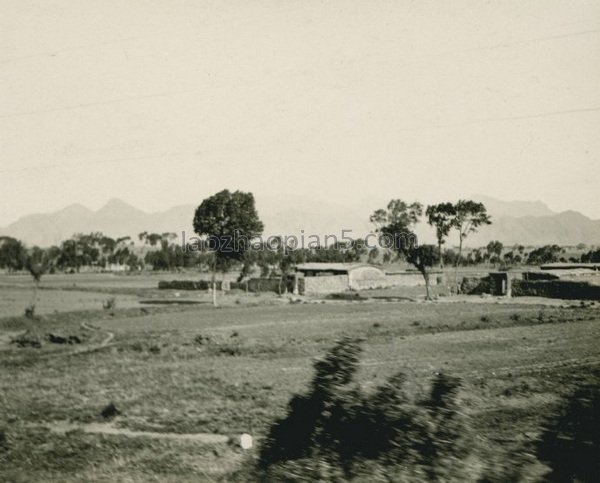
30	311
337	431
570	441
109	304
475	285
27	339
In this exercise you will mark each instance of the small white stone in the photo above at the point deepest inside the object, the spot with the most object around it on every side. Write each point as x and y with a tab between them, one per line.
246	441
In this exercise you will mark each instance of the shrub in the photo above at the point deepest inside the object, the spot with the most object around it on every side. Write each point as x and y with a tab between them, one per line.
475	285
337	431
30	311
109	304
570	441
27	339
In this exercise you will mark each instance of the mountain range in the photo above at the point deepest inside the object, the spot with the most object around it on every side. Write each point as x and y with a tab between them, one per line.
524	222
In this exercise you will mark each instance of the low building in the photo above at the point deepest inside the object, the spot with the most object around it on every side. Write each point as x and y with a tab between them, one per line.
580	272
338	277
318	278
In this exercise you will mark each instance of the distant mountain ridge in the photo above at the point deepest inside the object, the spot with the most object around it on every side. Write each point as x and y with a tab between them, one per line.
524	222
517	209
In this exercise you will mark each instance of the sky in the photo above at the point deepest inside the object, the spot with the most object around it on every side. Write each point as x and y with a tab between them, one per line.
162	103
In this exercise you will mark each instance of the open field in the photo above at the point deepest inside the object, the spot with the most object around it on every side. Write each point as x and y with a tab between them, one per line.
188	380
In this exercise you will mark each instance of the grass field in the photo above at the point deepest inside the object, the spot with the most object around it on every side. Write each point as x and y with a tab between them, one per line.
217	373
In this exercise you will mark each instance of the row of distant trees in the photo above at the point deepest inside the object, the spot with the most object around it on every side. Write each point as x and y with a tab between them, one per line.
163	252
159	251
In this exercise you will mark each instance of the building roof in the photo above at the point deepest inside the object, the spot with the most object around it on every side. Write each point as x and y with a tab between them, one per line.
331	267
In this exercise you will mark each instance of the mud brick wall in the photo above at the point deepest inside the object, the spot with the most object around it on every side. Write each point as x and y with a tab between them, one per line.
559	289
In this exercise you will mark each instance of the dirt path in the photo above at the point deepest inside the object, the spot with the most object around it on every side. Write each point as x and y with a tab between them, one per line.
87	349
63	427
106	342
109	335
7	337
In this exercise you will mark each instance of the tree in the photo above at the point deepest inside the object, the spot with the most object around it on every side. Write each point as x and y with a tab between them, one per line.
593	256
545	254
441	217
395	227
37	264
13	254
423	257
469	216
373	254
494	250
230	222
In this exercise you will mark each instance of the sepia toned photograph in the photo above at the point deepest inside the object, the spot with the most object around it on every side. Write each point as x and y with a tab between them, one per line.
300	241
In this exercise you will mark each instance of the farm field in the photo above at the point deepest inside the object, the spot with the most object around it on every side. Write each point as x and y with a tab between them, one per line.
187	380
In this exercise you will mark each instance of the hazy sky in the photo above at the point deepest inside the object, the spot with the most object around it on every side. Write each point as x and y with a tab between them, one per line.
164	102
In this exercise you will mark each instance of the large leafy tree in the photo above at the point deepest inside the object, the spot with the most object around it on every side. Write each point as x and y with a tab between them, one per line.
494	250
545	254
395	226
229	221
441	217
13	254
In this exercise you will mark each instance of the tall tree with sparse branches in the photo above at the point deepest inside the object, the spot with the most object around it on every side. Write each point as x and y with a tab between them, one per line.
395	226
441	217
469	216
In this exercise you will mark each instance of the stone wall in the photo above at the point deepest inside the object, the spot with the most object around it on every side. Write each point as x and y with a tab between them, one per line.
326	284
410	279
265	285
189	285
366	277
559	289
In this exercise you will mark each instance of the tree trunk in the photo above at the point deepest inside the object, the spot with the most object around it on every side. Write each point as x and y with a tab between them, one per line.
460	242
426	277
34	296
214	284
440	254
